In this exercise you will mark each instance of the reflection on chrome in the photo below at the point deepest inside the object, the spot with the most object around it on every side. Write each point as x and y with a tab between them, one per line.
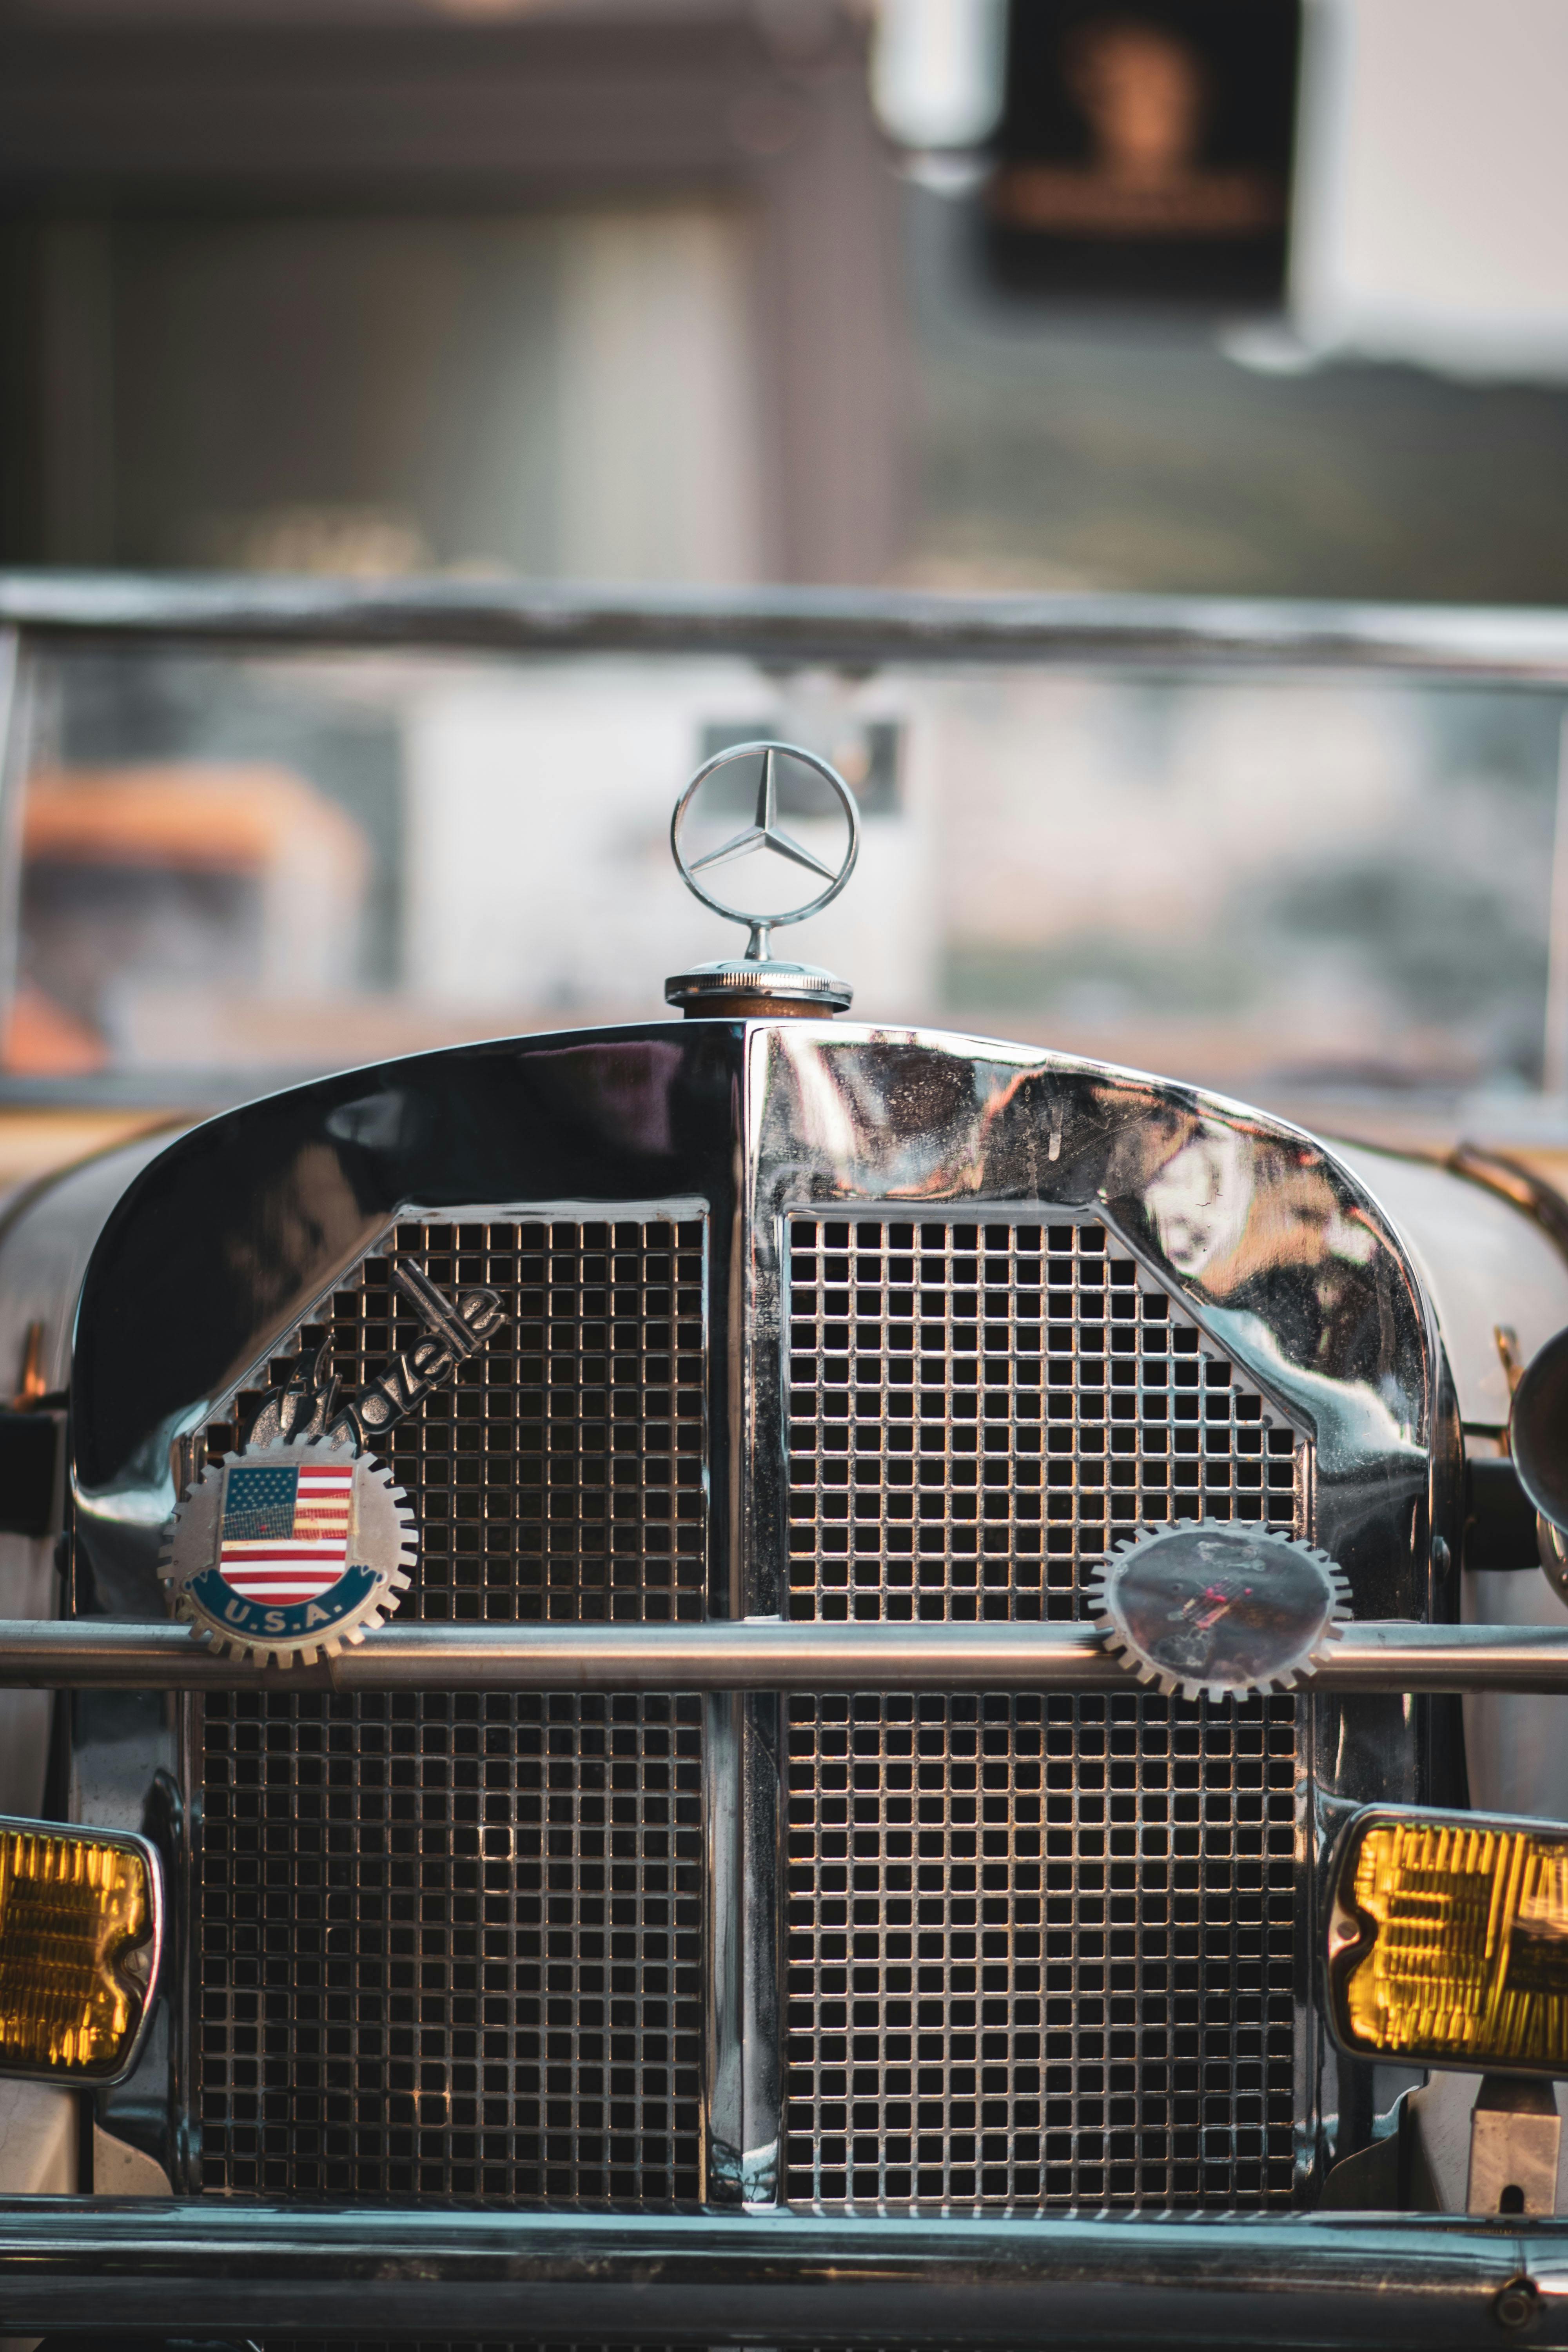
1274	1249
1200	1200
1230	1208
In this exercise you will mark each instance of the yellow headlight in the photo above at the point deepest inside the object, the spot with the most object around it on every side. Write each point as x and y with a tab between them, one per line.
1449	1940
76	1906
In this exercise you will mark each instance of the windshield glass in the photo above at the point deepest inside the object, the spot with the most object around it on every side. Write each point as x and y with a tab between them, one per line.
263	864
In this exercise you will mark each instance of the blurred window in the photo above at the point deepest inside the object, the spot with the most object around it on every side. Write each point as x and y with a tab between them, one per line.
1145	152
569	391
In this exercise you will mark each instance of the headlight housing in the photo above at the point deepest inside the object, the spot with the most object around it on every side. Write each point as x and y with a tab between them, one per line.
1449	1940
82	1916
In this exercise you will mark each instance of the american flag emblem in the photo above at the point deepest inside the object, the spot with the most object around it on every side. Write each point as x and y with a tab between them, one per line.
286	1531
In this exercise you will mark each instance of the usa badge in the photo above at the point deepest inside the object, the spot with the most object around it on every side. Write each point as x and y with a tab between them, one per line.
288	1551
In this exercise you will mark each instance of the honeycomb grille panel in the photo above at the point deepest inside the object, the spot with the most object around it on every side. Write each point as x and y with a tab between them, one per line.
1040	1950
452	1945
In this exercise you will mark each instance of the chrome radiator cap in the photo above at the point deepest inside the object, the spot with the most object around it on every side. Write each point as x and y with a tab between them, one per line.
737	986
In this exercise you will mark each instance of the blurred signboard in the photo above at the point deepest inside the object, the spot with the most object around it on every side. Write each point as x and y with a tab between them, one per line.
1144	150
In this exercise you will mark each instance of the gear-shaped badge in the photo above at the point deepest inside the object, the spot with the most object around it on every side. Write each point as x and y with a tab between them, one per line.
288	1551
1211	1606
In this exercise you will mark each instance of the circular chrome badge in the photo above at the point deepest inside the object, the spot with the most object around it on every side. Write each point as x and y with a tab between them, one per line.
1212	1606
766	834
290	1551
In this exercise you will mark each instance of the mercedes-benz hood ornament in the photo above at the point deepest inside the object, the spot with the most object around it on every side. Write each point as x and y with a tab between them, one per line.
758	981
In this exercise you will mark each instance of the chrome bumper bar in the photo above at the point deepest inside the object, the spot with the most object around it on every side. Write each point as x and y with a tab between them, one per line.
77	2264
759	1654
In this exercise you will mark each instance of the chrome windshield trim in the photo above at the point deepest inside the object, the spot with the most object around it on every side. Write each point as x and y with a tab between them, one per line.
842	625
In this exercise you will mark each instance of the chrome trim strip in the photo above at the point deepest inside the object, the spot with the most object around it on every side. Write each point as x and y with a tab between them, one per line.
1392	1655
842	625
1351	2280
1500	1173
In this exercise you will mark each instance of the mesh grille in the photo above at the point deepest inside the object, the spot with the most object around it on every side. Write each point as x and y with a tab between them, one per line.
1040	1950
453	1945
978	1410
560	1475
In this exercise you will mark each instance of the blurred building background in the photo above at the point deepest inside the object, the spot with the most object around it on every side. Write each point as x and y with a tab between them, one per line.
595	290
929	294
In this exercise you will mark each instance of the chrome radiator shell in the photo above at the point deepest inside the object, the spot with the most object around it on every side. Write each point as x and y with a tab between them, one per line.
1273	1255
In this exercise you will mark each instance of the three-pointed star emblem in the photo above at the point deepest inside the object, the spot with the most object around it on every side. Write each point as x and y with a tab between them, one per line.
765	832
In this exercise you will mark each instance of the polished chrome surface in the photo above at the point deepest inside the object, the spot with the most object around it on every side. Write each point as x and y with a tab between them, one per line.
1286	1271
1281	1261
1270	1260
1279	1258
46	1232
733	988
845	627
99	1653
745	1899
1360	2282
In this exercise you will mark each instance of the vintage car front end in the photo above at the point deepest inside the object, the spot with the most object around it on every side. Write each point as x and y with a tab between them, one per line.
738	1867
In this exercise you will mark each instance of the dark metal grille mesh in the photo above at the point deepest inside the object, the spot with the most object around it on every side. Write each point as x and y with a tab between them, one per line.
453	1945
561	1474
1040	1950
977	1412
